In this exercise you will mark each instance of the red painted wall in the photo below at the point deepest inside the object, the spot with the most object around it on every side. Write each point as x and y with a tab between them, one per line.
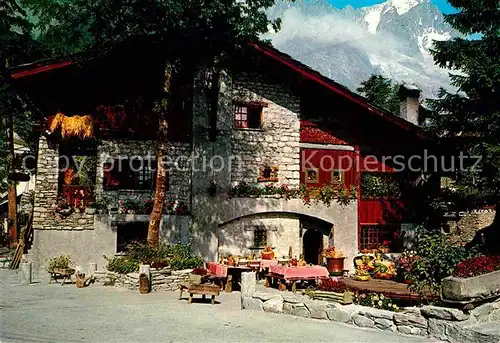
327	160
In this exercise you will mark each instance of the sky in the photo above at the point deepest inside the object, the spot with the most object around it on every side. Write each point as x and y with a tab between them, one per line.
443	5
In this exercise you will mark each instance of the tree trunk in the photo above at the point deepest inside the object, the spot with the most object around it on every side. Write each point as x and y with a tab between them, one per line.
161	170
12	215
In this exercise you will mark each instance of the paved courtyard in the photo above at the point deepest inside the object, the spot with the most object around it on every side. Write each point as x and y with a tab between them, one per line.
54	313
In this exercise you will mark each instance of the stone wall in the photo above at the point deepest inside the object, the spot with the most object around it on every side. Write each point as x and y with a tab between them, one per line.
46	191
481	325
161	280
277	142
466	227
178	172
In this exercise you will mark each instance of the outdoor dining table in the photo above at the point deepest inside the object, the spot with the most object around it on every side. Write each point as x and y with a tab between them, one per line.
231	273
286	274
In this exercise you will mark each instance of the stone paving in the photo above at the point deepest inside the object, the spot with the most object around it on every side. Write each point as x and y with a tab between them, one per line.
54	313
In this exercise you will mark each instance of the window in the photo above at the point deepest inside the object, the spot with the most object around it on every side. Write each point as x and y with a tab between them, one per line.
76	177
268	174
375	236
248	116
312	176
337	176
129	233
260	238
129	174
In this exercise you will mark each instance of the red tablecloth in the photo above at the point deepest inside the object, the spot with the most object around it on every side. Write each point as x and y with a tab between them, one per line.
217	269
300	272
267	264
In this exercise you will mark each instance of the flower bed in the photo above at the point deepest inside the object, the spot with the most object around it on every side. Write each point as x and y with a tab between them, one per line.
477	266
325	194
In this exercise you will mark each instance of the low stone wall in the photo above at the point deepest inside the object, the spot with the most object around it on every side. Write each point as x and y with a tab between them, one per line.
161	280
480	325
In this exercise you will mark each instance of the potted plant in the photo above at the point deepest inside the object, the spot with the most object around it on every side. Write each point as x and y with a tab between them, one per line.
362	274
335	260
198	276
60	264
384	249
403	267
384	270
267	253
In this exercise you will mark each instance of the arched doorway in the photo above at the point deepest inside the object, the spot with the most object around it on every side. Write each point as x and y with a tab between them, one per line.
313	244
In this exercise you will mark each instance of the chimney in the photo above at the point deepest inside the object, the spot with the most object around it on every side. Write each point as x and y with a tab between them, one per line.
409	103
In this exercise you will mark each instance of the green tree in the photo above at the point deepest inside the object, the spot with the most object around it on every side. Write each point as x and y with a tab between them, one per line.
381	92
191	34
468	121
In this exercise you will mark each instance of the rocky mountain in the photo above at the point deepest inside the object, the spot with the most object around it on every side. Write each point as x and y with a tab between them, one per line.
348	45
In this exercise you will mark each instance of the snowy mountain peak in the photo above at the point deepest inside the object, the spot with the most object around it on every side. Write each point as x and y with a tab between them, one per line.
403	6
374	13
392	38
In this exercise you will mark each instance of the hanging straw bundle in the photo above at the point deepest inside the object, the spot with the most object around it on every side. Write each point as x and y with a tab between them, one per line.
74	126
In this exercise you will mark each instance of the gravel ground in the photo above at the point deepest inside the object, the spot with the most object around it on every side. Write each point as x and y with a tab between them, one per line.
54	313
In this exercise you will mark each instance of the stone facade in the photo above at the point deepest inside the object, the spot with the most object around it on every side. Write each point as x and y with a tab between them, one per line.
218	223
277	142
46	192
178	169
466	227
283	231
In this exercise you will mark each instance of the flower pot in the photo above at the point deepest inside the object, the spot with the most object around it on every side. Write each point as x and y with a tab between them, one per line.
159	265
385	276
144	284
267	255
80	280
408	282
335	265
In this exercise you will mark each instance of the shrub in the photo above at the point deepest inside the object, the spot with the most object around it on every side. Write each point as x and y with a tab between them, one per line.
375	300
177	263
121	264
331	285
146	254
181	257
59	262
477	266
435	259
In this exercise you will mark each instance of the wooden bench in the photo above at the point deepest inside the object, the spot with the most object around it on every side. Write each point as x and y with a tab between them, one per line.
203	289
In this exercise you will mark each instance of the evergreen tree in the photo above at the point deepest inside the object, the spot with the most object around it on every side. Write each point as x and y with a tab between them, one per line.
16	46
381	92
191	33
468	121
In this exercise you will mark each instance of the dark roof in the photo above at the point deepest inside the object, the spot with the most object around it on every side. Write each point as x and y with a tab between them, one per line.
304	70
335	87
